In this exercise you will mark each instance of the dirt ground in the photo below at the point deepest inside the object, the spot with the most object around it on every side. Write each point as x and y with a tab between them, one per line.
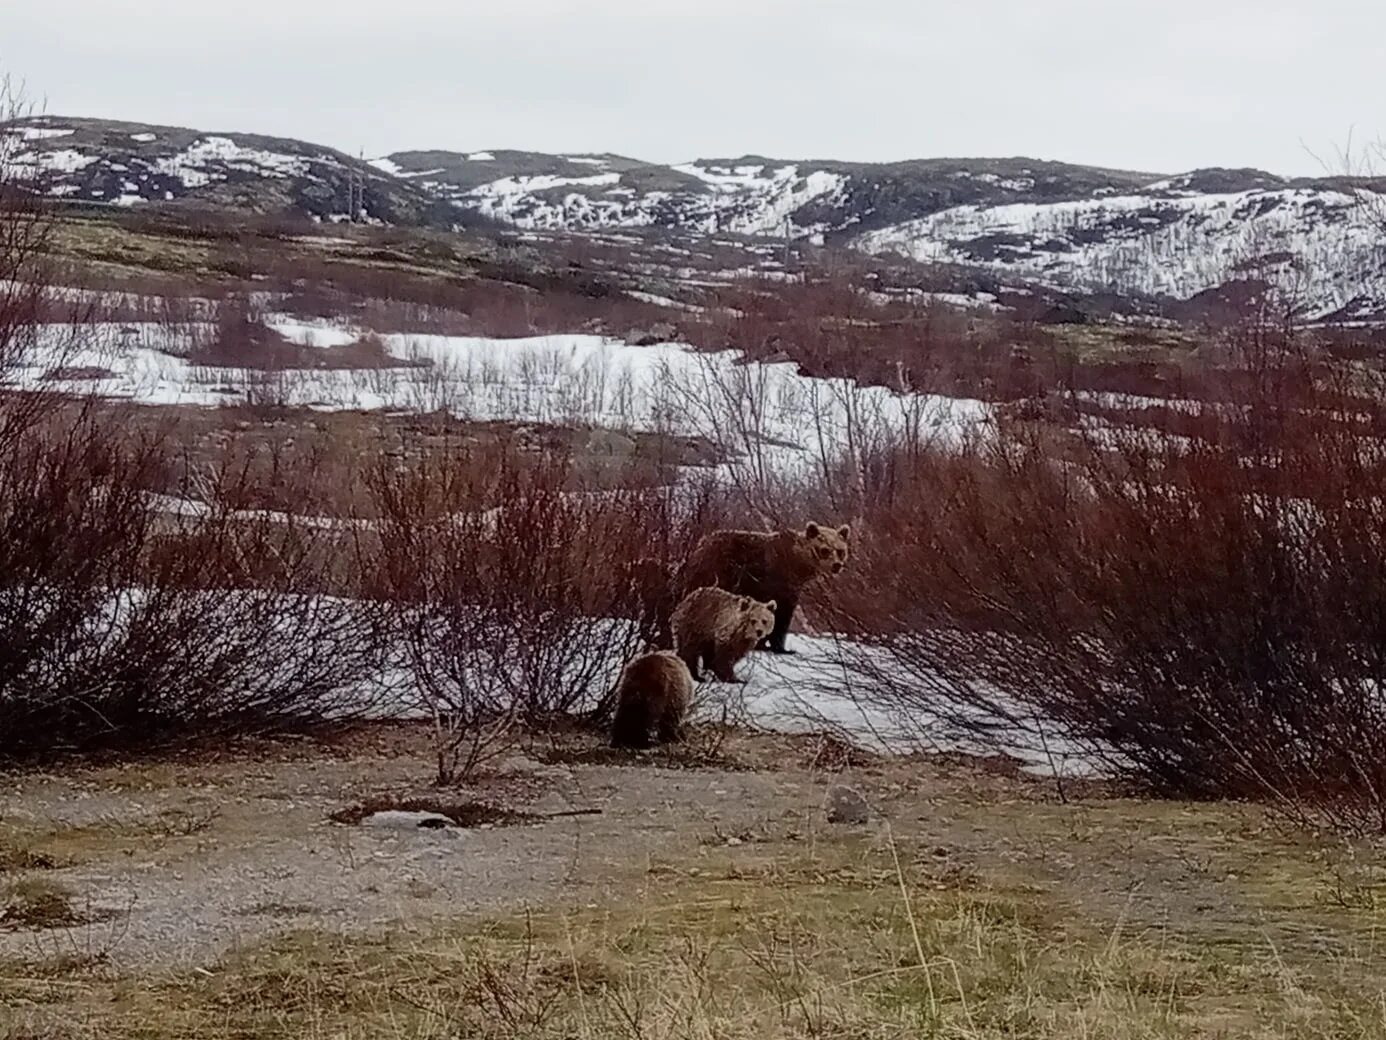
175	867
178	863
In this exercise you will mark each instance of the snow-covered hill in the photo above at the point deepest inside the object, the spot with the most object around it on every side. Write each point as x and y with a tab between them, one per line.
125	164
1323	246
1071	227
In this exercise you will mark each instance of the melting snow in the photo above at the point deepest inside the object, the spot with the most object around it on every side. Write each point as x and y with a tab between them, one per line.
38	133
768	412
30	165
748	199
207	159
1176	246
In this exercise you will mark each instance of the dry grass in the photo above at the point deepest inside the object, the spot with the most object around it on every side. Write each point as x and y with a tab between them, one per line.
31	846
35	903
835	935
20	855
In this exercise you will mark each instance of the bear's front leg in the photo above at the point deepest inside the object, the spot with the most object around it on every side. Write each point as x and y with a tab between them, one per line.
724	668
784	614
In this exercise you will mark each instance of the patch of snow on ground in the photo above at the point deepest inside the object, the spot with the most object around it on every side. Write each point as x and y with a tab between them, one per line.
759	200
481	157
815	688
664	301
724	178
323	333
144	138
767	413
34	164
38	133
522	183
526	201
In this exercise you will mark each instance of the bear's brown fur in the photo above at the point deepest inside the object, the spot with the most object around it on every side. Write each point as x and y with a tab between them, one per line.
768	565
653	694
649	599
718	628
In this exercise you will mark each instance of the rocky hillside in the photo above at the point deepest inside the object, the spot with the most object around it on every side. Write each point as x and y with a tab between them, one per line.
126	164
1066	226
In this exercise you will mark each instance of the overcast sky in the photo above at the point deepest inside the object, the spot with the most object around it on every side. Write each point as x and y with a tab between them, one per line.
1159	87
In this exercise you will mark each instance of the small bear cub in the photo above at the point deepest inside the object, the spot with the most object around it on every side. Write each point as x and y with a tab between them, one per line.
653	694
717	628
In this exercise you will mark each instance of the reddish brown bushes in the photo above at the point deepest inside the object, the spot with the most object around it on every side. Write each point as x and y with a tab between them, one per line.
1207	615
512	591
122	626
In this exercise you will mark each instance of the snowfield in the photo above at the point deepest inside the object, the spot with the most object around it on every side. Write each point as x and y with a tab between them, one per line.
768	412
1323	246
814	690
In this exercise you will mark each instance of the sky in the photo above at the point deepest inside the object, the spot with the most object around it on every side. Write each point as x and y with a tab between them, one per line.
1284	85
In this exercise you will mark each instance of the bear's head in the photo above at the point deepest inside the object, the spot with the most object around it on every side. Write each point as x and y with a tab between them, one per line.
757	619
825	548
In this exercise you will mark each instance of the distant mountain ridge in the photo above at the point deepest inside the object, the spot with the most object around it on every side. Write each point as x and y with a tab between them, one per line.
1065	225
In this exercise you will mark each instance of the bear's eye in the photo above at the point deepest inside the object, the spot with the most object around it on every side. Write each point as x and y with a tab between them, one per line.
824	551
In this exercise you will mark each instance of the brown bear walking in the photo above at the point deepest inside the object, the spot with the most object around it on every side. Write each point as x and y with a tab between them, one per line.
718	628
653	693
768	565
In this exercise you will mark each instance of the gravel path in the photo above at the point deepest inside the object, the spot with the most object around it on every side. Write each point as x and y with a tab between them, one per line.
182	865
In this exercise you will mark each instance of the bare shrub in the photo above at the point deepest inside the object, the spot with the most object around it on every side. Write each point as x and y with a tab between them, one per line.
511	592
125	628
1204	614
38	325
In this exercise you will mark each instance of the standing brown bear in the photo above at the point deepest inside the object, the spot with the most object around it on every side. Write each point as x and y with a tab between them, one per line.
718	628
768	565
653	693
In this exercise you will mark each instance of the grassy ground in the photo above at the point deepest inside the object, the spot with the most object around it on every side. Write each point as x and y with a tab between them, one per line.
976	906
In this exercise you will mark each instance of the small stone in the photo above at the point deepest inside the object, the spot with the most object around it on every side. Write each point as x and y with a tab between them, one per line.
846	805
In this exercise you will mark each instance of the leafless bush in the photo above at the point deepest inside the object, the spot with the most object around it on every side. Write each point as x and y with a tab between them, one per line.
124	627
1204	614
34	318
511	592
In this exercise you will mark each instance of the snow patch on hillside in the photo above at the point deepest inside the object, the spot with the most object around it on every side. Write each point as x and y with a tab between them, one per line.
1324	246
31	165
209	158
37	133
748	200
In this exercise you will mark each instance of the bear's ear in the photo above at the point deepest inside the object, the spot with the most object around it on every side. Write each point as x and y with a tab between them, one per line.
811	531
845	531
772	606
745	604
